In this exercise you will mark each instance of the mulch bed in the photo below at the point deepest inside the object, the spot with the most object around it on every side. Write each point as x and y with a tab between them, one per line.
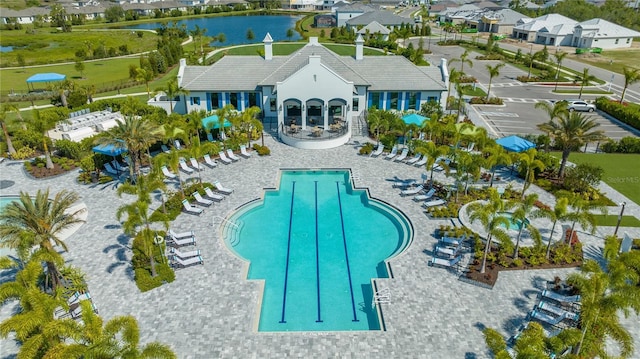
43	172
490	276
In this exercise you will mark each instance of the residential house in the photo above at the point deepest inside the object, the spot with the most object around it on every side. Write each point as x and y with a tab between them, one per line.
348	12
602	33
550	29
374	29
382	17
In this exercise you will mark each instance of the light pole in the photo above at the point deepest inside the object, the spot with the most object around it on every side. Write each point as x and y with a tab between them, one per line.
615	233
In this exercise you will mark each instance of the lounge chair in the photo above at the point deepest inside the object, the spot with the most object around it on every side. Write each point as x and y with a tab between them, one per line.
433	203
191	209
200	200
441	262
184	255
181	235
231	156
392	154
165	149
560	298
546	318
452	241
189	241
182	263
110	170
469	147
426	196
167	173
438	165
402	156
404	183
553	309
195	164
184	167
224	158
422	162
211	163
210	137
243	152
118	166
412	191
77	298
413	160
212	195
178	145
449	252
378	150
221	188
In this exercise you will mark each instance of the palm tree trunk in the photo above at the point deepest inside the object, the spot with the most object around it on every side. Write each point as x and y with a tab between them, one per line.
623	92
563	164
54	274
47	155
493	174
487	247
551	238
10	147
515	253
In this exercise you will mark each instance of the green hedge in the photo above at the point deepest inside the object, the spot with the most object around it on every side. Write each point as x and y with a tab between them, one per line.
142	268
625	112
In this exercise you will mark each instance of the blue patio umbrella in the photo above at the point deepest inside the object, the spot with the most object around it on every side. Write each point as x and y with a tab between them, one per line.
109	150
415	119
213	122
515	143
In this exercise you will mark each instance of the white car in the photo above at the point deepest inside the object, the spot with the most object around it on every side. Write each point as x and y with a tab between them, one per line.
580	105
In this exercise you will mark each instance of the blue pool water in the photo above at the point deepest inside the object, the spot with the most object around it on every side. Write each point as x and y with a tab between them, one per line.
317	243
513	224
3	202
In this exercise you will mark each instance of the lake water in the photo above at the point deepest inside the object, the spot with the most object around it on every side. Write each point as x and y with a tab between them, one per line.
6	48
235	27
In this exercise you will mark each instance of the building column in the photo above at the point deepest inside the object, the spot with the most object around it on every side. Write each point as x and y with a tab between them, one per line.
325	114
303	114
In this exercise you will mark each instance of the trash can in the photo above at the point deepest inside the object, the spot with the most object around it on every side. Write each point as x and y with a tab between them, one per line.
94	177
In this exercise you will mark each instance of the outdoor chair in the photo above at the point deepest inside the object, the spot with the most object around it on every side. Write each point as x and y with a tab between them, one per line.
181	235
167	173
184	167
452	241
184	255
393	153
224	158
179	242
211	163
177	145
77	298
200	200
221	188
210	137
433	203
404	183
165	149
118	166
563	299
438	165
402	156
553	309
191	209
546	318
413	160
412	191
231	156
195	164
183	263
212	195
448	252
448	263
426	196
110	170
378	150
243	152
422	162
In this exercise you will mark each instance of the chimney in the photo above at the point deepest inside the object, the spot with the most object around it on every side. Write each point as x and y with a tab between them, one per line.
183	65
444	71
359	47
268	47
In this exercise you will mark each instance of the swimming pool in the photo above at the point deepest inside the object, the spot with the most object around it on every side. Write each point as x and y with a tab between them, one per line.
5	200
514	224
317	242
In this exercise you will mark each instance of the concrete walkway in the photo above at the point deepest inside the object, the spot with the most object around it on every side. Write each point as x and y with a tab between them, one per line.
210	311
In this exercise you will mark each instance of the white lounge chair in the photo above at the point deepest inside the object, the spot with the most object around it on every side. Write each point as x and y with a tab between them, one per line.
546	318
402	156
469	147
221	188
188	241
422	161
212	195
449	263
118	166
231	156
447	251
181	235
211	163
378	150
243	152
438	165
184	167
412	191
165	149
560	298
210	137
433	203
110	170
182	263
426	196
77	298
200	200
184	255
191	209
413	160
224	158
452	241
404	183
553	309
393	153
194	163
167	173
177	144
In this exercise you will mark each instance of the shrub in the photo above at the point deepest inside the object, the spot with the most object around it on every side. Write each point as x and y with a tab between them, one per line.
627	113
625	145
366	149
70	149
142	268
582	177
24	153
261	150
484	101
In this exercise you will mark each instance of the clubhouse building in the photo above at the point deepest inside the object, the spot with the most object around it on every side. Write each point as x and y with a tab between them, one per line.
314	95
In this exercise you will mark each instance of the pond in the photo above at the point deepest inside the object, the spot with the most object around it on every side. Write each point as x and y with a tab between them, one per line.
6	48
235	27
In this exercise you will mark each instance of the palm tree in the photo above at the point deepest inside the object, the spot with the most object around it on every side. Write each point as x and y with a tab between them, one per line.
92	338
493	72
583	211
554	111
454	76
530	164
497	156
487	213
464	59
524	209
44	121
402	32
559	55
377	122
136	134
197	34
533	58
172	160
3	115
34	325
569	132
39	222
585	79
433	153
247	121
172	90
146	76
531	343
560	212
631	76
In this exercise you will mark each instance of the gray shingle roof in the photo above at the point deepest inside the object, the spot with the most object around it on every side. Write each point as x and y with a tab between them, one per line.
605	29
382	17
374	27
247	73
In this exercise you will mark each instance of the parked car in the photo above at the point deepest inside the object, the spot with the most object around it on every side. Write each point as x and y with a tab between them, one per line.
580	105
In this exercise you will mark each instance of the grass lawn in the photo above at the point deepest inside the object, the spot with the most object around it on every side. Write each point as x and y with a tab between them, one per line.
612	60
470	91
612	219
620	170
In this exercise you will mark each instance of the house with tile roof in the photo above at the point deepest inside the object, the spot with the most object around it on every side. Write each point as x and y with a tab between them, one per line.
550	29
602	33
349	11
313	88
382	17
373	29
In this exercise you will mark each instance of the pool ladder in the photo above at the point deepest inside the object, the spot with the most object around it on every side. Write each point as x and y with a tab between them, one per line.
232	230
383	296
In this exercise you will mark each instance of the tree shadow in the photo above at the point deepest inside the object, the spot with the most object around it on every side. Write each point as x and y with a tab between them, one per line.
120	251
10	356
